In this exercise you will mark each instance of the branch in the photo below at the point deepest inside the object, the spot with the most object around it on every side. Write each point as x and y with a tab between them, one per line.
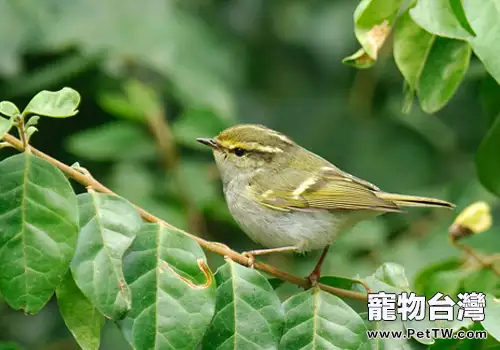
484	262
215	247
166	146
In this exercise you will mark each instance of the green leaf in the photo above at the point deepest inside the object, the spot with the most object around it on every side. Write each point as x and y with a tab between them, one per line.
420	325
373	20
457	7
248	313
30	130
411	48
408	97
173	291
444	277
117	104
81	317
438	17
5	125
489	98
319	320
443	72
138	102
108	227
360	59
432	66
143	97
483	21
113	141
455	325
38	230
32	121
484	280
391	343
275	282
388	278
55	104
340	282
491	320
9	109
487	160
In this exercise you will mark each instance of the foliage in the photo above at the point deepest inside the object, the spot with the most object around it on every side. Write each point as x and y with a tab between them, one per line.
38	230
315	319
168	72
245	301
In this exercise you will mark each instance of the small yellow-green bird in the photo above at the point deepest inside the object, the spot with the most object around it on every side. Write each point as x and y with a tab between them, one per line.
287	198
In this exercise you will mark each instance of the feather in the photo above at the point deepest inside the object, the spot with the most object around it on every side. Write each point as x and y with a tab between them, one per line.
414	201
298	189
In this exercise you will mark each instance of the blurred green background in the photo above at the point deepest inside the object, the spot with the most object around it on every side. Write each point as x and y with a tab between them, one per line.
155	74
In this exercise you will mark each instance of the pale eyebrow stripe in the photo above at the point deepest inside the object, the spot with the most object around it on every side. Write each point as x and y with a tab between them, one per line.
254	146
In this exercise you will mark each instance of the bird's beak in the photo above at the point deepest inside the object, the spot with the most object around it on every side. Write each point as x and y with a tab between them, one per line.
210	142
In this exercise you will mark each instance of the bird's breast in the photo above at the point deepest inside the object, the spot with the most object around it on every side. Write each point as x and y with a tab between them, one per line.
308	230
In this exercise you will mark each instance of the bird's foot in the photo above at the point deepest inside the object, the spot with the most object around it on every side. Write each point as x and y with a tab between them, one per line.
251	254
313	278
315	275
251	259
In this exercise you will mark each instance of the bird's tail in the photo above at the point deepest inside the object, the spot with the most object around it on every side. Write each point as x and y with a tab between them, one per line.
414	201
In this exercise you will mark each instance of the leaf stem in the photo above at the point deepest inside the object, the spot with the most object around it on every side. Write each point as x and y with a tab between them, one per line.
218	248
19	120
484	262
162	133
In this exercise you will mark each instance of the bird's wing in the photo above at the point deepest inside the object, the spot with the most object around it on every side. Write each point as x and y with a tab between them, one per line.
329	189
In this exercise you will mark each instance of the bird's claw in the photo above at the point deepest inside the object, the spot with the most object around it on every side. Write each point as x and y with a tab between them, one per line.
313	279
251	259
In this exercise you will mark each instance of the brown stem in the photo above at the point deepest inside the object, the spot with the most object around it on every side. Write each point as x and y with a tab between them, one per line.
215	247
161	131
485	263
163	135
22	132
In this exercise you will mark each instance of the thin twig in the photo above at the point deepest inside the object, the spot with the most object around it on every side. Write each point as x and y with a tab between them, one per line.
484	262
19	122
163	135
215	247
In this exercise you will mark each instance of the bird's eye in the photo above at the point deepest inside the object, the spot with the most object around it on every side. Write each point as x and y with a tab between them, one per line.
239	151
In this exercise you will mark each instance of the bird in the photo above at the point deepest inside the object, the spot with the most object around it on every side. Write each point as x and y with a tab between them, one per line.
287	198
